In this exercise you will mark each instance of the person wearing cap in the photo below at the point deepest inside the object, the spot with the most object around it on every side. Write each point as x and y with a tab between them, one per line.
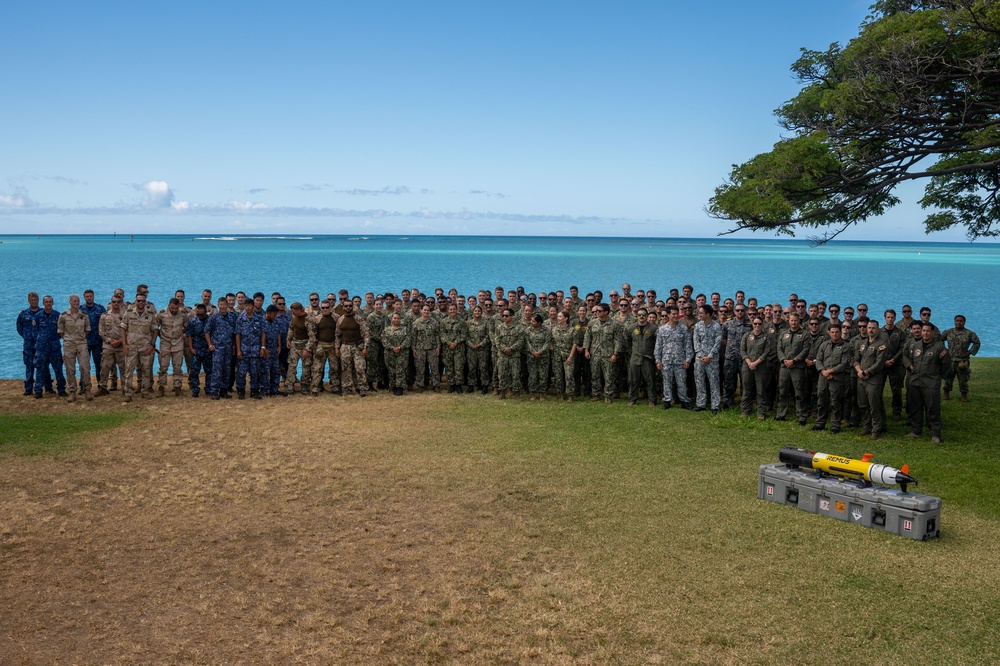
962	345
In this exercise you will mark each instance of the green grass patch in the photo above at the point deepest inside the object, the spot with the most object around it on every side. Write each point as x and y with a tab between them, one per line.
50	434
658	512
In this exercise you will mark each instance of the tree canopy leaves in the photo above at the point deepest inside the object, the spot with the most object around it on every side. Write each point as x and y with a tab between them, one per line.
916	95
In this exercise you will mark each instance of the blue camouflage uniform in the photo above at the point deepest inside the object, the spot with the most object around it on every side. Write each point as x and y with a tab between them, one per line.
202	356
48	351
220	329
270	367
95	344
249	329
27	328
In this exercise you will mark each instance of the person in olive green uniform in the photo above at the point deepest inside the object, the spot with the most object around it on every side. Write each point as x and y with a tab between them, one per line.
926	362
396	344
869	364
375	362
793	347
834	361
755	349
962	345
641	363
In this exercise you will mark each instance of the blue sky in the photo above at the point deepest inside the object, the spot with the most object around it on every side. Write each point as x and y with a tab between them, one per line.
549	118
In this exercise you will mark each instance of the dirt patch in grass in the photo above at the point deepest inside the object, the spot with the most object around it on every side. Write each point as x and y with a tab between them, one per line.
280	531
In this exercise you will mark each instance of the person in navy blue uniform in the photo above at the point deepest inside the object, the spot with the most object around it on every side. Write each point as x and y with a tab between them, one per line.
270	364
219	336
249	340
27	328
95	344
48	350
201	357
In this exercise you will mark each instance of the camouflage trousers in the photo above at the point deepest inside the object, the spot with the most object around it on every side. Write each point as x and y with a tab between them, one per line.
538	373
168	357
324	354
953	373
509	372
454	363
111	357
424	359
221	370
49	364
375	363
249	364
198	361
294	356
138	362
395	365
478	367
602	373
270	372
77	354
675	374
352	368
706	382
563	379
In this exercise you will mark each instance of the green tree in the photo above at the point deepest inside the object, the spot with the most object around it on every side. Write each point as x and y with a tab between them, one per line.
916	95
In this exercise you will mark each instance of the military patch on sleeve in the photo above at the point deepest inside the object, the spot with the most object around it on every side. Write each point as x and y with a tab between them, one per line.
882	348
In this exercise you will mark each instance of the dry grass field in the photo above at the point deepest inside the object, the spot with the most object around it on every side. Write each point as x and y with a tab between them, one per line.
462	529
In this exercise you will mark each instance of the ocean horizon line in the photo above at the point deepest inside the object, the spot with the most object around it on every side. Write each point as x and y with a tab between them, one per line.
415	236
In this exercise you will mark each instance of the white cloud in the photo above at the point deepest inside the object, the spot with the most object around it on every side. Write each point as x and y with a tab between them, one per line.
156	194
19	199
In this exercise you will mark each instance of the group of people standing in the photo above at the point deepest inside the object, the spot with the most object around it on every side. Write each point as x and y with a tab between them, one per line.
800	355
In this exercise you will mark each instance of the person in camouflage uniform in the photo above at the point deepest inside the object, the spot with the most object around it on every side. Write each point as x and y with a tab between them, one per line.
707	340
301	342
219	335
673	353
249	343
201	357
962	345
95	345
425	334
454	333
396	343
324	332
602	345
538	346
509	342
139	332
353	339
270	364
171	324
833	363
477	344
628	320
73	327
113	355
563	357
375	361
48	358
754	350
732	336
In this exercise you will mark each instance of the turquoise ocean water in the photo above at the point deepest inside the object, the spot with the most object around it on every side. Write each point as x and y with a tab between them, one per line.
950	278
